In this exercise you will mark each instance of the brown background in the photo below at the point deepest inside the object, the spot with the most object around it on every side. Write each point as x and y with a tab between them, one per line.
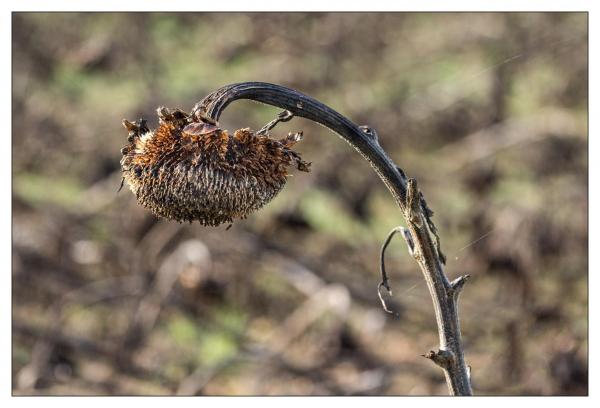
487	111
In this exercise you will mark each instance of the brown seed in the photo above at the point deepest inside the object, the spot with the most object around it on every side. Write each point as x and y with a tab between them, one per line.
198	129
131	127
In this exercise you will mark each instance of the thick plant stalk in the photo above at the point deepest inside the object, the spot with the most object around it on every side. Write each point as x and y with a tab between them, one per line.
425	248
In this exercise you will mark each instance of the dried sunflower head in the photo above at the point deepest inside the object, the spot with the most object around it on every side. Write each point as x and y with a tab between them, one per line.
190	169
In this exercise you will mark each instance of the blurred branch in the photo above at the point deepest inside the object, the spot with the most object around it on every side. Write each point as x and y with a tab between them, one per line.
301	275
405	192
94	292
491	140
189	254
89	349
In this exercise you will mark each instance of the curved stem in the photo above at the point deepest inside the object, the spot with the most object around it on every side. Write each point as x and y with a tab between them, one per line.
309	108
450	356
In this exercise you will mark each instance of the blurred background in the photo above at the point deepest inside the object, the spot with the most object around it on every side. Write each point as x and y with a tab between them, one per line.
489	113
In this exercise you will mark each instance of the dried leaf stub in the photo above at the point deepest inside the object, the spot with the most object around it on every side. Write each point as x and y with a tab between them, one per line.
190	170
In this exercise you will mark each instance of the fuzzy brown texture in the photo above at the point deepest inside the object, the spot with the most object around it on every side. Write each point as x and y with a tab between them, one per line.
188	171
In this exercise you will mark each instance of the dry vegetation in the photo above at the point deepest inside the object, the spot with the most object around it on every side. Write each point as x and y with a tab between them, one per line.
487	111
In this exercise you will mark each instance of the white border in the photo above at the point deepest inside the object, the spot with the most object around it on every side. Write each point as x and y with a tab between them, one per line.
305	5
